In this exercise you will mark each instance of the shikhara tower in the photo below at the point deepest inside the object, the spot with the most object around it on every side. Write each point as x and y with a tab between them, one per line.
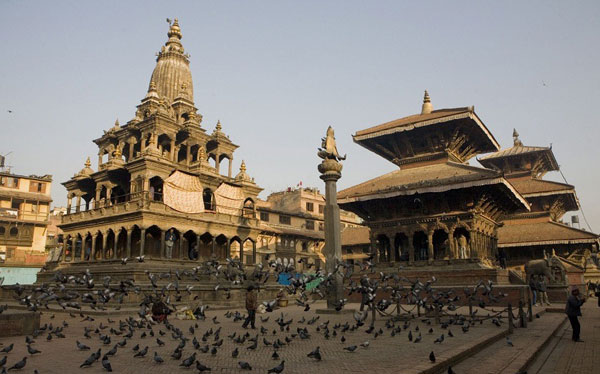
159	171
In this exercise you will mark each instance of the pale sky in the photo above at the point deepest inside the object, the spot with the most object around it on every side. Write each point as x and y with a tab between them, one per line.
277	73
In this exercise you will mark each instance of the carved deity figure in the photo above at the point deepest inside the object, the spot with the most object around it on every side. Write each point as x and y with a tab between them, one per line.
328	148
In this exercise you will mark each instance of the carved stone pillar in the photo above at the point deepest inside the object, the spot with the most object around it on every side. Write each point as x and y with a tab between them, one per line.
430	256
104	243
142	240
78	206
228	249
69	203
162	244
131	155
73	247
97	198
230	167
173	154
128	245
93	251
242	253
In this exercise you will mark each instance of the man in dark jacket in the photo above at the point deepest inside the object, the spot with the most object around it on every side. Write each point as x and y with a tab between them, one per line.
573	310
251	305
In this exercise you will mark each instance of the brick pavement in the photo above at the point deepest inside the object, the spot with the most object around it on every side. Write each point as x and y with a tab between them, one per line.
386	354
567	357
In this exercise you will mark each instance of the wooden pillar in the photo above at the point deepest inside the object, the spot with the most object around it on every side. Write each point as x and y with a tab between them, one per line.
411	248
128	245
142	240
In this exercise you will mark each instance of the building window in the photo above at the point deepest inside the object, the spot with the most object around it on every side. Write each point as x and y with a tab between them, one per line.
2	231
14	231
37	187
285	220
264	216
321	226
9	182
310	225
304	247
310	207
321	208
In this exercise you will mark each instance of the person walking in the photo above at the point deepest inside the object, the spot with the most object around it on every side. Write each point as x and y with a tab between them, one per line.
573	311
533	288
251	305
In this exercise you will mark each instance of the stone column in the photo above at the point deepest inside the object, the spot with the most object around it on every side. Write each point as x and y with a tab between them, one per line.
242	252
93	251
228	249
97	198
78	206
253	252
162	244
142	240
69	203
331	172
451	245
430	246
104	243
230	167
128	246
131	155
73	247
182	246
173	151
217	163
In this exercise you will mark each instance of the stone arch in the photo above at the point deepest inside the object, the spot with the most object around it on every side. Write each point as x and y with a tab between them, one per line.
152	242
110	244
441	244
420	244
156	188
221	246
87	246
248	209
249	246
235	247
383	248
121	243
77	247
99	246
194	152
462	245
401	245
190	245
136	238
205	245
176	243
164	144
208	197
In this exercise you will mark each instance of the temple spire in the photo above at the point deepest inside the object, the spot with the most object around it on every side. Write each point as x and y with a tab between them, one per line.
427	106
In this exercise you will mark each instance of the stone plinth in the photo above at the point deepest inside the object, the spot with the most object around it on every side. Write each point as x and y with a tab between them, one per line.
15	322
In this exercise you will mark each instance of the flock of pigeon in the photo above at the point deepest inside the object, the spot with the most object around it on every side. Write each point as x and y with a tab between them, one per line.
118	337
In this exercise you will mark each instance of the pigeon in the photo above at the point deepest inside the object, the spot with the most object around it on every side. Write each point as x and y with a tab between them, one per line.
235	353
82	347
200	367
277	369
89	361
19	365
32	350
157	358
244	365
509	342
141	353
432	357
106	364
3	361
7	348
316	354
352	348
188	361
439	340
275	356
159	342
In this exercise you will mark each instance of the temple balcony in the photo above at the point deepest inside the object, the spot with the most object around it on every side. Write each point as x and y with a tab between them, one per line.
145	202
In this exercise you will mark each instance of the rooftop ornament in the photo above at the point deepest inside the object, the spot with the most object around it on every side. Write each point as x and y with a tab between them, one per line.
427	106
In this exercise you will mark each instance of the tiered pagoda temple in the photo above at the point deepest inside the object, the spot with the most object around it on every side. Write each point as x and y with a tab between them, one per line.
436	209
160	171
528	235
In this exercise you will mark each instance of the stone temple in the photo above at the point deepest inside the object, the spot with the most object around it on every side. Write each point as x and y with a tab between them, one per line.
159	180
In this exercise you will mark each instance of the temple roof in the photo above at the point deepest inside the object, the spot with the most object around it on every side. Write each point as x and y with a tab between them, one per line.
518	150
356	235
457	132
542	233
172	76
531	187
434	178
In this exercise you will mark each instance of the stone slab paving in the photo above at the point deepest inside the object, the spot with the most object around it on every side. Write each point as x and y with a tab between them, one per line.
501	358
567	357
385	354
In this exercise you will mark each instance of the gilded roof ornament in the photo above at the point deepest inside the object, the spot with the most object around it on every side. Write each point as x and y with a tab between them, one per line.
516	141
218	129
427	106
242	175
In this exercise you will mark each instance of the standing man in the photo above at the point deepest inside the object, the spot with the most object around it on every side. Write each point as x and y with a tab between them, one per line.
543	296
533	288
502	257
169	241
462	245
251	305
573	310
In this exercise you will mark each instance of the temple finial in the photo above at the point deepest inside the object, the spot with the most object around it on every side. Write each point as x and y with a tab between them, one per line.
243	166
427	106
516	140
218	127
174	30
88	163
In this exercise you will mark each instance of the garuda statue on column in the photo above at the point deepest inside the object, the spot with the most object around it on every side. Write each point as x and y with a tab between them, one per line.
328	148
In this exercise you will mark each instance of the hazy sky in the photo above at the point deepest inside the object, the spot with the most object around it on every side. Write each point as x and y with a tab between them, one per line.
277	73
